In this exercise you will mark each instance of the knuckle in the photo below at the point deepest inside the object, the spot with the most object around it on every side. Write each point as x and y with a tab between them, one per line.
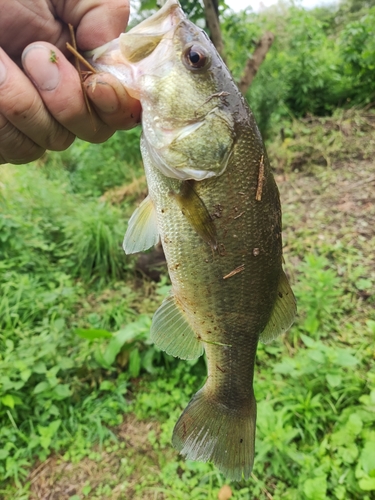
23	106
15	147
59	139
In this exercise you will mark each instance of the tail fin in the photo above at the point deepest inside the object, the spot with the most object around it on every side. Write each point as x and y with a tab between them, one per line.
211	431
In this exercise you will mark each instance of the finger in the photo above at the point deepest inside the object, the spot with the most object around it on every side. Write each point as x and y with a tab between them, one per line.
115	109
23	22
15	147
97	22
59	86
21	105
112	103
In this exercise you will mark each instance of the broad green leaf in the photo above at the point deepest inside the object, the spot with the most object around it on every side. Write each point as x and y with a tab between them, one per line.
344	358
107	385
39	367
3	454
308	341
62	391
317	356
348	453
8	400
367	458
134	363
367	483
131	332
354	424
25	374
41	387
92	333
99	358
333	379
316	489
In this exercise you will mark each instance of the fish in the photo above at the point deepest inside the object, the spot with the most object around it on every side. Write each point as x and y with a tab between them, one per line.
214	205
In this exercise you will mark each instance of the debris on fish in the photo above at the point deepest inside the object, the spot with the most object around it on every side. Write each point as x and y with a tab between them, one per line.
214	205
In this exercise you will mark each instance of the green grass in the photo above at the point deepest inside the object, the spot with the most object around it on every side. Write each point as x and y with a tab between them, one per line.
83	389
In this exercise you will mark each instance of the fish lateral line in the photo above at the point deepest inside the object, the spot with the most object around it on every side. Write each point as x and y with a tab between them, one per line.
258	195
214	343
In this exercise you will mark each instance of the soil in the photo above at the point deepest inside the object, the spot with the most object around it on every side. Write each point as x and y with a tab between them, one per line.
57	479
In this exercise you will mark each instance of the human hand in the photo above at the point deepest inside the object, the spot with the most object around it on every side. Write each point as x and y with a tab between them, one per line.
50	112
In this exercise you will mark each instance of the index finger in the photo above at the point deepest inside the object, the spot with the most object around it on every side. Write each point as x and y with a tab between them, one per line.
97	22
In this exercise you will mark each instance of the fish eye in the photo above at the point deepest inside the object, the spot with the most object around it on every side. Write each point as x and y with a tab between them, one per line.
195	57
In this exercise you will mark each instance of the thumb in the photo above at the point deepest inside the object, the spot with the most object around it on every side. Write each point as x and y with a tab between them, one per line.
112	103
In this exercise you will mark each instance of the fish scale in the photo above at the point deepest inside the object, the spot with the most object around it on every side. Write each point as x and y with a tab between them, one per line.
215	207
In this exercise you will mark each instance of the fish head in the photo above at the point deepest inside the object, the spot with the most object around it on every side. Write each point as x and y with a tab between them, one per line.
189	100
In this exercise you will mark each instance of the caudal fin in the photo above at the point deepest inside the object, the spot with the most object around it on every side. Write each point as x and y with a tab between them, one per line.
211	431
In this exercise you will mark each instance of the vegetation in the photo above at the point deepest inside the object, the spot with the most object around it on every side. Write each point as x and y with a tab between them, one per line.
88	404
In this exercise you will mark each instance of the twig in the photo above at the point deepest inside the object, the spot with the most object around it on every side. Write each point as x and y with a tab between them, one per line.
258	195
266	492
80	57
255	60
238	269
73	48
212	18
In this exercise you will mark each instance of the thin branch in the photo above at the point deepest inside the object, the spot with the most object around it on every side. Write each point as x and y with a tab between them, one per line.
212	18
255	60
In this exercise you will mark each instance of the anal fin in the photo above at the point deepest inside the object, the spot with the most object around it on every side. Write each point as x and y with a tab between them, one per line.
142	232
171	331
283	312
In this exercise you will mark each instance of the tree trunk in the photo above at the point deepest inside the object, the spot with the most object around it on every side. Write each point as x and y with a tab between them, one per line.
212	18
255	60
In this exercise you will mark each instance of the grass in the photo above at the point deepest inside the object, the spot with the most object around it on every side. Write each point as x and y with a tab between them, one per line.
88	405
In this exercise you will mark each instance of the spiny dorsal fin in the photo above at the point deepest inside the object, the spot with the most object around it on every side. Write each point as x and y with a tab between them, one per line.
283	312
171	331
142	232
194	209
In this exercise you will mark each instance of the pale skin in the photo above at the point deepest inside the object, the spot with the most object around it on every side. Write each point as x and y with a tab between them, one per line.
41	101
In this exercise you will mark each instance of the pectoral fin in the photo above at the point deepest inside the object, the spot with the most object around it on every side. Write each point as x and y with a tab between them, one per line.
283	312
171	331
142	232
194	209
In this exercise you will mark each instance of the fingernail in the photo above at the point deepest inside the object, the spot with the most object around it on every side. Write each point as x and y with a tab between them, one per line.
3	73
103	96
41	65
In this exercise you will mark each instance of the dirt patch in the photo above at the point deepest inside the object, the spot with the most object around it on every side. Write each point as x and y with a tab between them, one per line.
335	206
117	472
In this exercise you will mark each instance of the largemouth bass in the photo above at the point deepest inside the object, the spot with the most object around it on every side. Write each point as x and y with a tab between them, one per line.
214	205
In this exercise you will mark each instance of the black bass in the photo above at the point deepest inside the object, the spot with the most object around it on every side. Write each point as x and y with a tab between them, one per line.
214	205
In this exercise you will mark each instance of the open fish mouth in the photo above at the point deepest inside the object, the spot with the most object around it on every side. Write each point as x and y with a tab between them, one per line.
126	56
